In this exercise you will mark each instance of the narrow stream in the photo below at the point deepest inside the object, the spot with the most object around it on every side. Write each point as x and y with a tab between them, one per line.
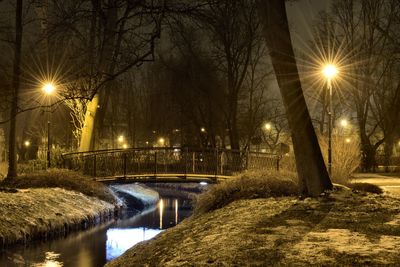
96	246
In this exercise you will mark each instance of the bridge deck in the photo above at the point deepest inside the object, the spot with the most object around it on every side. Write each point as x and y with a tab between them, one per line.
164	178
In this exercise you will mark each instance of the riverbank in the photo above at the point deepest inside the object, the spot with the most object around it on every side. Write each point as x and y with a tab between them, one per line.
346	228
52	203
42	213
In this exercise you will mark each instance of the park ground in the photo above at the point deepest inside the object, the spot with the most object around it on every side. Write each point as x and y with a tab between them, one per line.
344	228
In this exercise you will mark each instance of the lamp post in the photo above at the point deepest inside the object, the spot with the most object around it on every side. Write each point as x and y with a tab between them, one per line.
48	89
329	72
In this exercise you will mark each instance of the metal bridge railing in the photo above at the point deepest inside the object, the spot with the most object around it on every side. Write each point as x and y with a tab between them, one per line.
154	161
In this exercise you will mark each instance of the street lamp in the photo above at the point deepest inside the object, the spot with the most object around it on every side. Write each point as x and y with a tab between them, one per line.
330	72
48	89
344	123
161	141
268	126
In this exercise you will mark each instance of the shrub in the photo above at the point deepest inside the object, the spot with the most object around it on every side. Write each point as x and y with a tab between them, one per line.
246	186
64	179
345	157
366	187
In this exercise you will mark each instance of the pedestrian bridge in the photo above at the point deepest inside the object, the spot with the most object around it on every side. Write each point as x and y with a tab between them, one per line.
167	164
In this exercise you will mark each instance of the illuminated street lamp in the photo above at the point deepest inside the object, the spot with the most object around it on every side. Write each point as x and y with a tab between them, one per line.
27	143
121	139
203	130
330	71
348	140
161	141
344	123
268	126
48	89
124	146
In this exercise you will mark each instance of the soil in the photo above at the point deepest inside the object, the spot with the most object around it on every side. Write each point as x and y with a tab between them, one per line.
343	228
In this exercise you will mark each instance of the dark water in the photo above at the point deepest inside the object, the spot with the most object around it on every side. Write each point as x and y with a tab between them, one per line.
100	244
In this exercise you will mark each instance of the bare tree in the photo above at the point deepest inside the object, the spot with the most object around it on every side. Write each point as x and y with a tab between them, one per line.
313	176
234	27
12	150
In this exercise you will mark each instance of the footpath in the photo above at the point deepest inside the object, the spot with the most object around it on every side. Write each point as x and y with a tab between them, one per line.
390	183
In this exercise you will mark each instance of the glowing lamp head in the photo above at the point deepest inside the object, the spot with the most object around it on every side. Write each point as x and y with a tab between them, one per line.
124	146
348	140
330	71
121	138
268	126
203	130
161	141
343	123
27	143
48	88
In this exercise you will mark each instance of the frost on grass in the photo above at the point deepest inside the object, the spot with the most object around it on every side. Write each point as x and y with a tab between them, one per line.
343	229
35	213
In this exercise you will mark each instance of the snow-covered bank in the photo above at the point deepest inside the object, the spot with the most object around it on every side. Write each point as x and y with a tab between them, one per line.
343	229
45	212
136	196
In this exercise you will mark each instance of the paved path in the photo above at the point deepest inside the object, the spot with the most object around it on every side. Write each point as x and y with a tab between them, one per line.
390	184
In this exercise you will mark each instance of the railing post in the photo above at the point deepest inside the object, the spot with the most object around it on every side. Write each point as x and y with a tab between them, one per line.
186	160
217	161
94	165
193	162
155	164
124	165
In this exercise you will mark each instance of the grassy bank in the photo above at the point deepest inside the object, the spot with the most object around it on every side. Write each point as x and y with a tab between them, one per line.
243	227
51	203
66	179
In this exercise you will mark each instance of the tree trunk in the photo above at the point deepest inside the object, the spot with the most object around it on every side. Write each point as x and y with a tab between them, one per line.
313	176
106	65
12	150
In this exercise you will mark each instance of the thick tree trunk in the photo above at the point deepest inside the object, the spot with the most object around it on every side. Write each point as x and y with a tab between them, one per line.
313	176
12	146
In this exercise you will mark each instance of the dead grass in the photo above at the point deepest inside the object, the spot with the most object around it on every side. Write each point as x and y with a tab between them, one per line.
345	228
63	179
345	157
246	186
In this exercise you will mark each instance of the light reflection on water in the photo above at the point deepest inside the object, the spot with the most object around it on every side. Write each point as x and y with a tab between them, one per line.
51	260
100	244
120	240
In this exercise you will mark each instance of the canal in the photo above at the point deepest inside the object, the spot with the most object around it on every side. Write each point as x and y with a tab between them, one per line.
100	244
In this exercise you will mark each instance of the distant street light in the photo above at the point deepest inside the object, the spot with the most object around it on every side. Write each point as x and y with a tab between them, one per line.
27	143
344	123
48	89
161	141
348	140
268	126
121	138
330	71
124	146
203	130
